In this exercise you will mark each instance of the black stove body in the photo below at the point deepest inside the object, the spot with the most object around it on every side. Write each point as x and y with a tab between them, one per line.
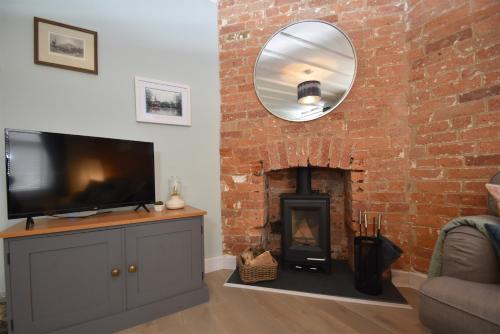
305	221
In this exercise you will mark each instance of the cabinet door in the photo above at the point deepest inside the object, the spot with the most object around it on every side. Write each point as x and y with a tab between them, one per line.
168	260
59	281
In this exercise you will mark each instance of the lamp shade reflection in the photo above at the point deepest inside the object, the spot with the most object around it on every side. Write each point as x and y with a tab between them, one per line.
309	92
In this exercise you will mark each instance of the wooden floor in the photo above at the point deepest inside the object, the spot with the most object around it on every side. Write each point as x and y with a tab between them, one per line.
241	311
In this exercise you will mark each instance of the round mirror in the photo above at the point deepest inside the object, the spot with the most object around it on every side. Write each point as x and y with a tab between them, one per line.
305	70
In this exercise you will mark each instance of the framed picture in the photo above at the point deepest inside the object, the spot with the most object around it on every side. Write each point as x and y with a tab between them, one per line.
64	46
162	102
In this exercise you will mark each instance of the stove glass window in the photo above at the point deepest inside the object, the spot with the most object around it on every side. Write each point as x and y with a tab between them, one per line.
305	227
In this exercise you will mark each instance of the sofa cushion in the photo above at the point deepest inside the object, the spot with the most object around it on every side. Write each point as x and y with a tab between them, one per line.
443	319
469	255
477	299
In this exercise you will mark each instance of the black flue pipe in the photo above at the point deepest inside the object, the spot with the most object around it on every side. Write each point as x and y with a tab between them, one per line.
304	181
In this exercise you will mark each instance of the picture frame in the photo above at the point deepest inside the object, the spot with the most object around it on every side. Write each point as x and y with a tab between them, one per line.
162	102
64	46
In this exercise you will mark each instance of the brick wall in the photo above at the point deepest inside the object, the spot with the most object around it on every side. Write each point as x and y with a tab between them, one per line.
454	112
411	133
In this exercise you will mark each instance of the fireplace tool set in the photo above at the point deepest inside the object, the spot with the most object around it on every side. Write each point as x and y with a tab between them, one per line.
367	257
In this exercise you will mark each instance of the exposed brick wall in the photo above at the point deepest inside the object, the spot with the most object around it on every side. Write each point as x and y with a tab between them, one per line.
403	130
454	112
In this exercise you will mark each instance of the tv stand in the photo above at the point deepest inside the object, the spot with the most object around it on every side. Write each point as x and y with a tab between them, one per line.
142	206
30	223
104	273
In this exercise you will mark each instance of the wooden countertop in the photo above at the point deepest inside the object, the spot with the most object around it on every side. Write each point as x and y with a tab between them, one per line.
115	218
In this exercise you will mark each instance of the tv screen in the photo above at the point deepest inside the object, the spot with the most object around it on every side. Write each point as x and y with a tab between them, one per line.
53	173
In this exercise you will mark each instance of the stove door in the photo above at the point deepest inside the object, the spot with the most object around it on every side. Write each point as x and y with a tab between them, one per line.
306	230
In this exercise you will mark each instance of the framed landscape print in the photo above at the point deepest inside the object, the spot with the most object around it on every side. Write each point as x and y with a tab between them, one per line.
162	102
64	46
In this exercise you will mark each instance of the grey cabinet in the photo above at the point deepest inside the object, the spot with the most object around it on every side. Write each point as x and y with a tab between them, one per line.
62	280
166	260
104	280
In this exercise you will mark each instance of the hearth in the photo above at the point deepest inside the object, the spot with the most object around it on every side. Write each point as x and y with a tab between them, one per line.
305	221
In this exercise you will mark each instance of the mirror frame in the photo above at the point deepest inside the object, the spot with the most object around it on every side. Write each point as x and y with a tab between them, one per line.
339	101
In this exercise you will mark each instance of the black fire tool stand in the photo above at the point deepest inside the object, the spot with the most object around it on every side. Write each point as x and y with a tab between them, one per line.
367	271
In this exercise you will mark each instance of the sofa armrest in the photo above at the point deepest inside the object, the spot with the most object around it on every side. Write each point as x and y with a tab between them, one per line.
469	255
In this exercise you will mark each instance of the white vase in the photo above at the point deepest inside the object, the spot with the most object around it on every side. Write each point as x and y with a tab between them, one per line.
159	208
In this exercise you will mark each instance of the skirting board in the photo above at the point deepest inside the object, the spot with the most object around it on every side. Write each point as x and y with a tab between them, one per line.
220	262
400	278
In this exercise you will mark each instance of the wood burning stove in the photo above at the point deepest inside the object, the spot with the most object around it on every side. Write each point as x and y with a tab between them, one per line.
305	221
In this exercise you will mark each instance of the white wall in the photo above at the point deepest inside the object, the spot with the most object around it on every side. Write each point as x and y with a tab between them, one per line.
174	41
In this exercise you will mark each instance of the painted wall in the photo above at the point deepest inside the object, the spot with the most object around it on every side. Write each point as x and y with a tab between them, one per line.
174	41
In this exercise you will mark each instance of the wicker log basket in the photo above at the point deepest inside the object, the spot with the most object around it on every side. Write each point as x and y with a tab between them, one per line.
257	273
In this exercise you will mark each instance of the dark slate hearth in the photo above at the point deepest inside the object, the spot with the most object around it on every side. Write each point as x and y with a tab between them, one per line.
339	283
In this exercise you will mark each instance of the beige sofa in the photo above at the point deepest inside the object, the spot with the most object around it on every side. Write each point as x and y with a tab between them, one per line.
466	298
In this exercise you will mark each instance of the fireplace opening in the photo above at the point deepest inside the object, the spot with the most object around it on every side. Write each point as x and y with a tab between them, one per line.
307	209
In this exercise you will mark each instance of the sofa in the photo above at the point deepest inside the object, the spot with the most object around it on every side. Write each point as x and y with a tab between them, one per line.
466	297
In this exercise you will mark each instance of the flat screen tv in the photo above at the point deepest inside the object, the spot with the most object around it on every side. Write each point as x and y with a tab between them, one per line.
54	173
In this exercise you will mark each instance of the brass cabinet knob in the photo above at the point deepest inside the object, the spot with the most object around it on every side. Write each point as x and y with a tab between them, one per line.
132	268
115	272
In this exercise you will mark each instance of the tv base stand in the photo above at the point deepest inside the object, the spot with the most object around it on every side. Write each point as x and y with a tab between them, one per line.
30	223
142	206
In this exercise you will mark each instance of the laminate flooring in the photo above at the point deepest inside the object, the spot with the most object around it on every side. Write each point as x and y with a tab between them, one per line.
241	311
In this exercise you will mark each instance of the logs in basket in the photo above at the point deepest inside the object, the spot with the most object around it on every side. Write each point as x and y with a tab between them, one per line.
257	272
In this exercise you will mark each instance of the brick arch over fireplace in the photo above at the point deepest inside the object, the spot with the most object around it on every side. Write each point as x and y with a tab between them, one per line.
419	129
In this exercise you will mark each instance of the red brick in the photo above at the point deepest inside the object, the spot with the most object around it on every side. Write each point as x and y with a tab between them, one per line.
440	162
449	40
467	211
488	26
231	28
438	187
490	146
464	199
480	133
420	174
479	94
483	160
461	122
445	19
398	207
420	123
489	51
461	109
472	173
459	148
422	197
432	209
436	138
433	127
